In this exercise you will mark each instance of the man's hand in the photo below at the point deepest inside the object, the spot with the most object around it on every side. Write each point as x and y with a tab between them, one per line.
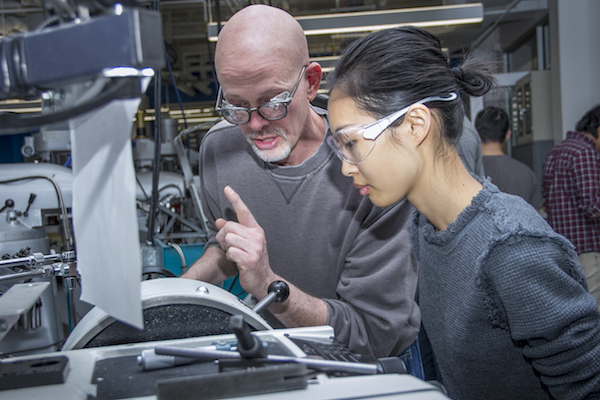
245	244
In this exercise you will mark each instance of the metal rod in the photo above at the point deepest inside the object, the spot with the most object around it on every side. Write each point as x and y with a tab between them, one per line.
37	259
181	219
264	303
157	146
16	262
491	28
169	225
321	365
31	274
70	286
198	353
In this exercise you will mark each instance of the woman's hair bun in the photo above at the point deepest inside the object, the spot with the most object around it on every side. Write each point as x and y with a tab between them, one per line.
474	76
458	73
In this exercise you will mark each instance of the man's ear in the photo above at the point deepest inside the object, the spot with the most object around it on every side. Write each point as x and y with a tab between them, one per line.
419	120
507	136
314	75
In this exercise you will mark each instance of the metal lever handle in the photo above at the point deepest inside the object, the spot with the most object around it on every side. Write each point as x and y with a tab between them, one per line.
9	203
248	346
32	197
319	365
278	293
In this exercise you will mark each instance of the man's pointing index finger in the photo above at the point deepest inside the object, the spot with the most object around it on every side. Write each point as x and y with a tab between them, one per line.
244	215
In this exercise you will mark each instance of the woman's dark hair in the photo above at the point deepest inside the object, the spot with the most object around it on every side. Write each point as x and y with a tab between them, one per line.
590	122
391	69
492	125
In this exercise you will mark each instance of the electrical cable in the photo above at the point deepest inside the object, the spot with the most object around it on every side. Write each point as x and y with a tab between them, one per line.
233	282
93	90
47	23
178	98
214	71
142	187
139	207
174	186
175	87
157	147
491	28
121	88
179	251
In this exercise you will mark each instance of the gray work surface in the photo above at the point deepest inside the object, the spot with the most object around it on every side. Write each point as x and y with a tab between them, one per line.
81	366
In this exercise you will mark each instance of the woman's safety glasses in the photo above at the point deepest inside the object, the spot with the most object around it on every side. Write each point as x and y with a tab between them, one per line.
345	147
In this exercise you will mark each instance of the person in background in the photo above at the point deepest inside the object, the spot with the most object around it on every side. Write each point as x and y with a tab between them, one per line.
502	297
510	175
571	190
278	209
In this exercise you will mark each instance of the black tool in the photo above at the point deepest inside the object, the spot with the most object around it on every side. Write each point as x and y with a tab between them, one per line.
32	197
278	293
34	372
249	346
9	203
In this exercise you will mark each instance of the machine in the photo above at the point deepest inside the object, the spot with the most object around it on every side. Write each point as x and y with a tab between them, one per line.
36	244
229	352
85	60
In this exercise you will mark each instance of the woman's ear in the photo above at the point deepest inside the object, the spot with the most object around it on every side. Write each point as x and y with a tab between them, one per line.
419	120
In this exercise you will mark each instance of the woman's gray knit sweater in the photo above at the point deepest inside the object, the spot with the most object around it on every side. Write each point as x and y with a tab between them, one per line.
505	304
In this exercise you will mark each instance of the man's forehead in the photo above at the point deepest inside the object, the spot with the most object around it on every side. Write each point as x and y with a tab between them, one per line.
248	56
255	84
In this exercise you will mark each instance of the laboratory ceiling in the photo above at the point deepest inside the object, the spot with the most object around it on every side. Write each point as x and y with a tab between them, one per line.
185	27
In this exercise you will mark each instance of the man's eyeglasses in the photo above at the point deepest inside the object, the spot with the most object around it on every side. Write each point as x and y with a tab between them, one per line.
345	148
274	109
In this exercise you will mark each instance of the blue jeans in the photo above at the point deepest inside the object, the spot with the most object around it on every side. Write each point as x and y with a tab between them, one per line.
412	360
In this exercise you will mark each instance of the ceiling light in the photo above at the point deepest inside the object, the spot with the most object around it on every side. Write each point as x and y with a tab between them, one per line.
326	62
367	21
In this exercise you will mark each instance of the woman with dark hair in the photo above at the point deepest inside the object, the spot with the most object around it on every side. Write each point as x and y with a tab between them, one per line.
503	299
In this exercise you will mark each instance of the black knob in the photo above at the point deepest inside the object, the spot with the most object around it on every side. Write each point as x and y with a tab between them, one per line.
278	292
9	203
281	290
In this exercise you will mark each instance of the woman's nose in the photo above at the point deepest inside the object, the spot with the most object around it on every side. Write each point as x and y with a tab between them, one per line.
349	169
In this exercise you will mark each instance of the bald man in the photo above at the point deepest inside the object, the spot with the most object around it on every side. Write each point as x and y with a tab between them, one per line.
279	208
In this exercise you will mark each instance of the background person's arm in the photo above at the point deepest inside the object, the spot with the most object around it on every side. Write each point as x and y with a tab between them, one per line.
586	171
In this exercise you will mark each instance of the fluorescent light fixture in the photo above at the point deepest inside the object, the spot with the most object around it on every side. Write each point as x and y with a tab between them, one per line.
324	59
326	62
122	72
367	21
